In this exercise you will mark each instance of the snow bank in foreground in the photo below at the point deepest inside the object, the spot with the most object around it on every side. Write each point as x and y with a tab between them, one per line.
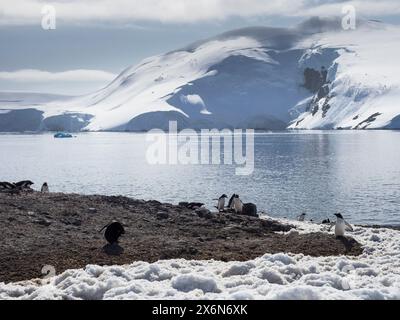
373	275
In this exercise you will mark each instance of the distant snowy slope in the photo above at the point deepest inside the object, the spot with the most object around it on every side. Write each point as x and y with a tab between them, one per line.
314	76
363	87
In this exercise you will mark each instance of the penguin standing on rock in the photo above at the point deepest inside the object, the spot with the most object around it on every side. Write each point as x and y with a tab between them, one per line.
113	231
24	185
45	188
341	226
230	203
7	186
237	204
301	217
221	202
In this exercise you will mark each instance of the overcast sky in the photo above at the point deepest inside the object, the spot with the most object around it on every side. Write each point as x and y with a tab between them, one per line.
96	39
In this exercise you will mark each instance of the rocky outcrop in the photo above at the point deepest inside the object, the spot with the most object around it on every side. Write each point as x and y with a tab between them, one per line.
364	124
314	79
62	230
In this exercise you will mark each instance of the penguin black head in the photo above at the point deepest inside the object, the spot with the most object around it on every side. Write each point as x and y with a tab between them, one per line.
224	196
237	196
338	215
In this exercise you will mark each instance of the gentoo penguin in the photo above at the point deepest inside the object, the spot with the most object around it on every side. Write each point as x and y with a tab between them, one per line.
45	188
237	204
113	231
341	225
221	202
25	184
230	203
7	185
194	205
301	217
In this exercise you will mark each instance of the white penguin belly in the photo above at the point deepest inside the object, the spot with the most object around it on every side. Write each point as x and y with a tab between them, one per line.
238	205
221	204
340	228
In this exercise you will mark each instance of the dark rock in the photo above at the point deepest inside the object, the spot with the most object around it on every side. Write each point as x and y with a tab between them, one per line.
276	226
161	215
204	213
72	221
195	205
323	92
325	109
313	79
250	209
368	121
42	222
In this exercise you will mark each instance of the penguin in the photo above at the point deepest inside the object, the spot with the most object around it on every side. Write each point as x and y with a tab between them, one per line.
341	225
45	188
25	184
326	221
113	231
195	205
230	203
221	202
301	217
7	185
237	204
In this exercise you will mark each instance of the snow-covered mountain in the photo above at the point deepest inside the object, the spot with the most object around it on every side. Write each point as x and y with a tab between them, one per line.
314	76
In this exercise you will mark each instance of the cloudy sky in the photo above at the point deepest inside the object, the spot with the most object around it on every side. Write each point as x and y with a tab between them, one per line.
96	39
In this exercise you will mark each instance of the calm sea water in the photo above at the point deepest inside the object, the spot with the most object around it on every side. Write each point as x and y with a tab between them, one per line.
320	173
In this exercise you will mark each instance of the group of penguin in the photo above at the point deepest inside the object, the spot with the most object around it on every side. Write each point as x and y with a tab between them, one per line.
114	230
236	205
24	185
341	225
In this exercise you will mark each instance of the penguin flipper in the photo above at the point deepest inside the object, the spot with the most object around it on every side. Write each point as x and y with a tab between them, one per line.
105	226
348	226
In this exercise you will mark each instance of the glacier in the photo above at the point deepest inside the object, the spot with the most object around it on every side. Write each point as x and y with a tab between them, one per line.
313	76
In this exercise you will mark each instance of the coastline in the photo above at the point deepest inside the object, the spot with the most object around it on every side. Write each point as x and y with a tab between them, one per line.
61	230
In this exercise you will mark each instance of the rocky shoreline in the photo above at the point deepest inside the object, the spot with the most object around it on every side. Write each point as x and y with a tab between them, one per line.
62	231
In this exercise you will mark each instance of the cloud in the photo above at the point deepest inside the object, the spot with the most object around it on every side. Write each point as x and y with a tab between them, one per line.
182	11
39	76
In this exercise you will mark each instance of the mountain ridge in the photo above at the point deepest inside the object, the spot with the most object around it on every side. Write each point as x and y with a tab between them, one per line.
313	76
